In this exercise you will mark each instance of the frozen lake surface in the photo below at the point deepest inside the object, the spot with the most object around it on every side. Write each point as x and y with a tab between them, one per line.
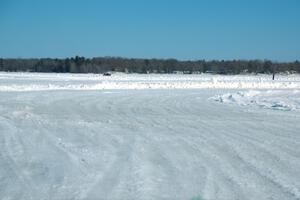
67	136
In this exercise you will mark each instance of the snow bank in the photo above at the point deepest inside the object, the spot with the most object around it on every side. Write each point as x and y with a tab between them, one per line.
48	81
271	99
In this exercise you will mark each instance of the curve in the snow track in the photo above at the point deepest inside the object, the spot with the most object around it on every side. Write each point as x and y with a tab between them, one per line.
146	144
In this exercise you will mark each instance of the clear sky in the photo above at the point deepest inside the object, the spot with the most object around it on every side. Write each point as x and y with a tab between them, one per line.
182	29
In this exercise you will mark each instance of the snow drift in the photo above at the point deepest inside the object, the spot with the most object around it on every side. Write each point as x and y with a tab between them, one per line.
271	99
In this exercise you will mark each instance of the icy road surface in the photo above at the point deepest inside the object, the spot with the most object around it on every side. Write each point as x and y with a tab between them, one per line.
118	144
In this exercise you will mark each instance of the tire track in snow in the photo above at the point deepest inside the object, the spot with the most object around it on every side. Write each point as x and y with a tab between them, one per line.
152	145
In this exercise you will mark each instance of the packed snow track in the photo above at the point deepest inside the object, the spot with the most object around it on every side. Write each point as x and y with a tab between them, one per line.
121	144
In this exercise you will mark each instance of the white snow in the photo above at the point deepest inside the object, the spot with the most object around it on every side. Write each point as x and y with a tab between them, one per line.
45	81
271	99
63	138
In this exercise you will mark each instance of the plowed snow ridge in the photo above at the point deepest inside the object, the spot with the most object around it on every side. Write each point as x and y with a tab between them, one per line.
276	100
42	82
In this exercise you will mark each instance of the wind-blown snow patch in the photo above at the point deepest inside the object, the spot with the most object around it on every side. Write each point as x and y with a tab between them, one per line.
285	100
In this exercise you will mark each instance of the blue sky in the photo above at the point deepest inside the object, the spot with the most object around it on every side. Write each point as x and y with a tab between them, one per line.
182	29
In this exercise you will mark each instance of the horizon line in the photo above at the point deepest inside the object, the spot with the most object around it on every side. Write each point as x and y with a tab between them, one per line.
156	58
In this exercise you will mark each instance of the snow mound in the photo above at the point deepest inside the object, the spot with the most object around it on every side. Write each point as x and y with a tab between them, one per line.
284	100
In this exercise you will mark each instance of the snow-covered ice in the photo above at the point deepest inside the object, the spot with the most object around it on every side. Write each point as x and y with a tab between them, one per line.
69	136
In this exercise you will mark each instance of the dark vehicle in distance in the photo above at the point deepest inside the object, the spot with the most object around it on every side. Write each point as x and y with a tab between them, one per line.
107	74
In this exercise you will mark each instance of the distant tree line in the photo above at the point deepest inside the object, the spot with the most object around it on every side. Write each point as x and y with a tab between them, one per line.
116	64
